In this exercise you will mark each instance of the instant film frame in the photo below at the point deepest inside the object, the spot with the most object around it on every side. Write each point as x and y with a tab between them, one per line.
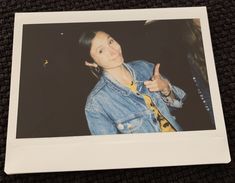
53	154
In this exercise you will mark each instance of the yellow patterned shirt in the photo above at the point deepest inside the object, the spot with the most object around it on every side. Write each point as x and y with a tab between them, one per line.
165	126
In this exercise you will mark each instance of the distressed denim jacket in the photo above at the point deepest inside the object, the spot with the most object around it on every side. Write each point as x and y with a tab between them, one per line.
112	108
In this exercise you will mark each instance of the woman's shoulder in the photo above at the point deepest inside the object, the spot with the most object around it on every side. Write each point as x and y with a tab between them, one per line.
142	68
95	94
141	64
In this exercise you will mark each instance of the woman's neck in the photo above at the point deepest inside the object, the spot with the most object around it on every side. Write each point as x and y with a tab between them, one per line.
121	74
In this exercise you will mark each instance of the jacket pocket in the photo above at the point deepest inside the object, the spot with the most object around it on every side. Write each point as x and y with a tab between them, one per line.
131	123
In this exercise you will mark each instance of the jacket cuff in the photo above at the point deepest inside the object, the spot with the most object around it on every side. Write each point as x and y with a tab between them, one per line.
179	94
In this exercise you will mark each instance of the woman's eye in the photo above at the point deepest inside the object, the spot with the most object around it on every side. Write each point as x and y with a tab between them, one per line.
100	51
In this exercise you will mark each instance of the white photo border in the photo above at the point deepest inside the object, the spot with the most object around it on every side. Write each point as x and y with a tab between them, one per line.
57	154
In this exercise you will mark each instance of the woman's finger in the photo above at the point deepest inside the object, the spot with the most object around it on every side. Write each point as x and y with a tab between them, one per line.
157	70
148	82
154	89
151	85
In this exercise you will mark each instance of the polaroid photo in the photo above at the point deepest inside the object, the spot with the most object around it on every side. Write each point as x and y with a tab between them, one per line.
113	89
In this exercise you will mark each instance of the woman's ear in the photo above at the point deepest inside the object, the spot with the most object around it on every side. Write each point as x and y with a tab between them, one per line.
89	64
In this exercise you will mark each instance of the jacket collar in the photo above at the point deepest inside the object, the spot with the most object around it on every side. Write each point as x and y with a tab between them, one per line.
115	85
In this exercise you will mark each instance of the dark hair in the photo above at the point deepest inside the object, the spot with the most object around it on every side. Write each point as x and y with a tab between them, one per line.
84	49
85	44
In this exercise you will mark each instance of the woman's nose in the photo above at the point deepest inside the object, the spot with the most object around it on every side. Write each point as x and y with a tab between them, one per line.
112	50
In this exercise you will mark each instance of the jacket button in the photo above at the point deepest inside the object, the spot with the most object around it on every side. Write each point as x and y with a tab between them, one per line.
120	126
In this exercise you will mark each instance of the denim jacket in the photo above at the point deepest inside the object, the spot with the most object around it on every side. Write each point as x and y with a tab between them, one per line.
112	108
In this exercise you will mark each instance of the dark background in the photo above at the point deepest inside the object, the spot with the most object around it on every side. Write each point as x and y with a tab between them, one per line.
221	18
52	96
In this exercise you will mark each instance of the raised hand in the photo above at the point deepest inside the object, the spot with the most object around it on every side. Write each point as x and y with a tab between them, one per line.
157	83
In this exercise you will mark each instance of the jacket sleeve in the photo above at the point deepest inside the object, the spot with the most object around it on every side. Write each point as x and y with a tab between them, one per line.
180	97
99	123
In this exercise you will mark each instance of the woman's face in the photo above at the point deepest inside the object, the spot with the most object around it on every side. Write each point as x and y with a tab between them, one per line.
105	51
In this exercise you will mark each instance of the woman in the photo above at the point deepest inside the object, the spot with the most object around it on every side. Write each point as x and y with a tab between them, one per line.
129	97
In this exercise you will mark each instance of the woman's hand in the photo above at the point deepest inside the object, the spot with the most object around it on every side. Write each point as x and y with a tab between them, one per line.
157	83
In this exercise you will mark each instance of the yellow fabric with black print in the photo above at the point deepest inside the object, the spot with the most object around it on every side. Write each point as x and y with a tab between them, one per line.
165	126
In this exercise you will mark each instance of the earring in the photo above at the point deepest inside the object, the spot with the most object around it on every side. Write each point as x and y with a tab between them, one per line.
97	69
